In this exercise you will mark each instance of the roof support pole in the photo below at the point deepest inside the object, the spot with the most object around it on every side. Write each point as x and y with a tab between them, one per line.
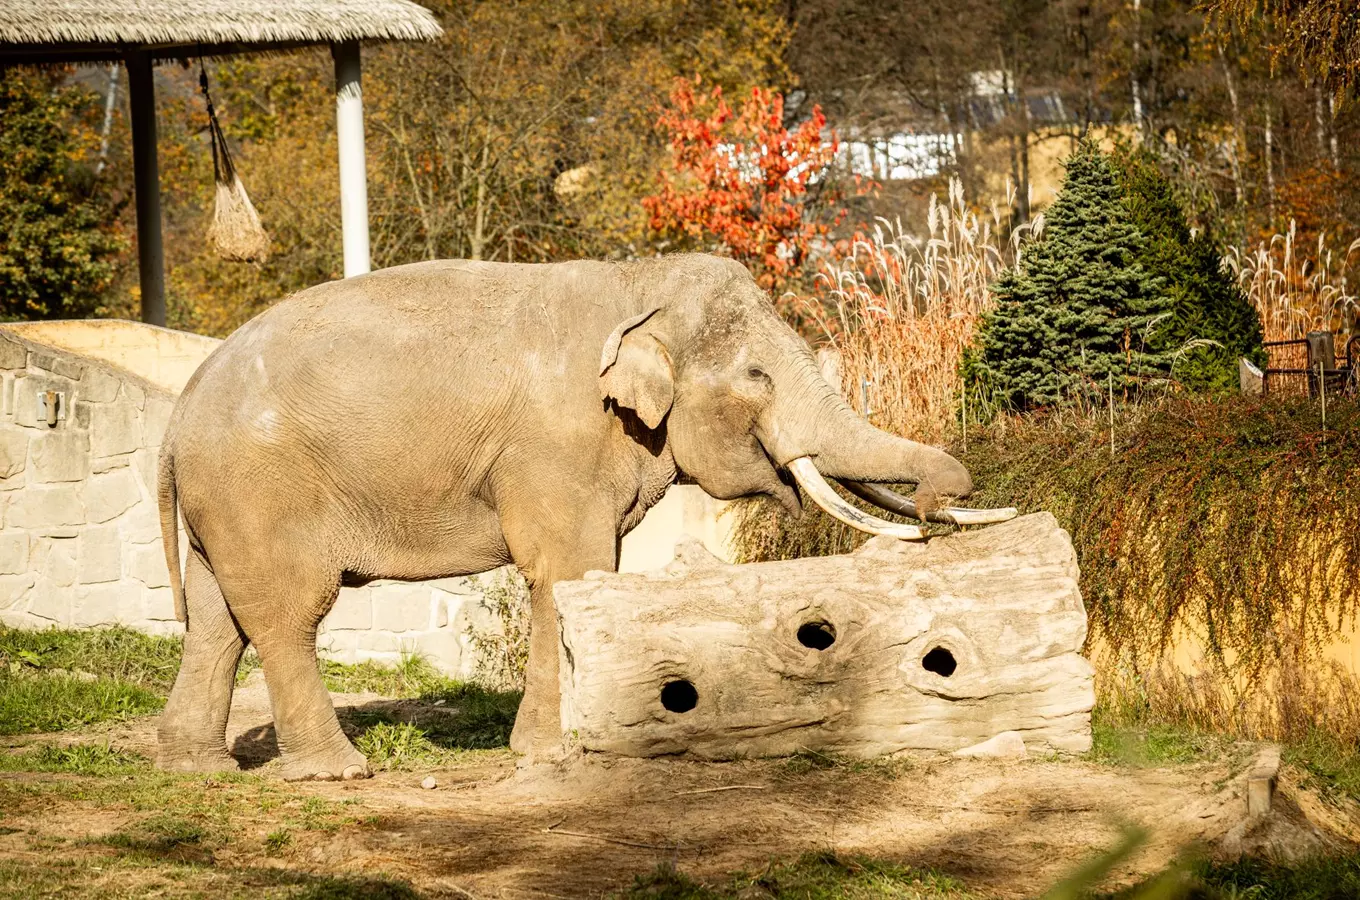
146	173
349	128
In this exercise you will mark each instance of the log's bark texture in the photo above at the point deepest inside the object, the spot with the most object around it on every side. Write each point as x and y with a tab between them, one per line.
899	645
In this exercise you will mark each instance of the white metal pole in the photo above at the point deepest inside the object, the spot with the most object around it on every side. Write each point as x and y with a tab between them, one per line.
349	128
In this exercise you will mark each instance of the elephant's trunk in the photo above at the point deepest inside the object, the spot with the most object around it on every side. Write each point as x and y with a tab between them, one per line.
810	419
845	446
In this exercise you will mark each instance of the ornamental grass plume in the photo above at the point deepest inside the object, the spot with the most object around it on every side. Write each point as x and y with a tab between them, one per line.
1295	293
900	311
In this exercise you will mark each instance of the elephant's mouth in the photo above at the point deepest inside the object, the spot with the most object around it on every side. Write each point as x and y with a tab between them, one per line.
825	496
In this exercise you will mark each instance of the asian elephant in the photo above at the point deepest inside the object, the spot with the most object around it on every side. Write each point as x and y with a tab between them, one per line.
448	417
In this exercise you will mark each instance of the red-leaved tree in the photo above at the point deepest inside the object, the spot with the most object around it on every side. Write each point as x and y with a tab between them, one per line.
742	184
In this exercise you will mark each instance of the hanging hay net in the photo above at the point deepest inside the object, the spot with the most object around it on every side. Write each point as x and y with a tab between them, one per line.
235	233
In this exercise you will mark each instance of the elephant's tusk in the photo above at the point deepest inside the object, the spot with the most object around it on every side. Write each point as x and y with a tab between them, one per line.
904	506
825	496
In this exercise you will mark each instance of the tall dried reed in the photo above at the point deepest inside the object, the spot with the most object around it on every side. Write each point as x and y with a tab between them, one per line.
900	310
1294	292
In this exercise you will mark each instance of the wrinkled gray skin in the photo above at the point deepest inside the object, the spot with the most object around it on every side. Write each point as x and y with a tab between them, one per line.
445	418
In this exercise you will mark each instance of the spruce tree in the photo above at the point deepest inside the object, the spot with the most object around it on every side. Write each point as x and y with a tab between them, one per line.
1206	303
1078	310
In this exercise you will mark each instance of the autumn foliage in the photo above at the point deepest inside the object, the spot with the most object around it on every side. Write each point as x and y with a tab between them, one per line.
742	183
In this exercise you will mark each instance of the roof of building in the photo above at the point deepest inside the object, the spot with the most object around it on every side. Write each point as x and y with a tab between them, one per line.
75	30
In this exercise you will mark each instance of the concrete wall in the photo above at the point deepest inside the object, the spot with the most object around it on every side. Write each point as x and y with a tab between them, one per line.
80	541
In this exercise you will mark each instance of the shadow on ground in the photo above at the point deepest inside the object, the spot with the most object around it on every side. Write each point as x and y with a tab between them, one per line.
464	718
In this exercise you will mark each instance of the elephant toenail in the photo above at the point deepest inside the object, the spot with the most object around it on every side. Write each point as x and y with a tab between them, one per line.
353	772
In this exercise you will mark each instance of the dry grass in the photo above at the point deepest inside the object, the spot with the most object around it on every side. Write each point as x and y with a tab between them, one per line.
1295	292
900	311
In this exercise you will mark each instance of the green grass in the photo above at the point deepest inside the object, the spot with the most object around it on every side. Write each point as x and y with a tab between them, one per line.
453	720
60	679
1331	767
411	677
120	654
1320	878
134	876
1323	878
39	703
76	759
814	876
1151	745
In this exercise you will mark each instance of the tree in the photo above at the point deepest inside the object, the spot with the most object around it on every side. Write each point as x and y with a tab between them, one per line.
1322	36
742	183
522	134
1206	303
1079	310
58	242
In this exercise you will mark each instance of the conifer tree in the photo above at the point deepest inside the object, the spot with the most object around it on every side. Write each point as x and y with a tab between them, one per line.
1079	309
1206	303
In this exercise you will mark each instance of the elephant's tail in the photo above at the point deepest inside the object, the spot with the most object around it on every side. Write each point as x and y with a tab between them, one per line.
165	491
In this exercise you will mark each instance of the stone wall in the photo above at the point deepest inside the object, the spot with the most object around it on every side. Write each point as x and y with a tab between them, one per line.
80	537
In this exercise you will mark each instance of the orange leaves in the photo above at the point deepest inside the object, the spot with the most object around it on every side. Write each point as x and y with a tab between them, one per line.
741	182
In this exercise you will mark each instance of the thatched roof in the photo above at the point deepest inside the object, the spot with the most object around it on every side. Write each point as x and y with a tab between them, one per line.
91	29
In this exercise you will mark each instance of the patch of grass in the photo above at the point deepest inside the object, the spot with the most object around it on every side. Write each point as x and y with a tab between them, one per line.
114	653
166	835
814	876
483	720
1150	745
1322	878
1332	766
398	745
411	677
1252	878
135	876
40	703
805	761
451	722
277	841
76	759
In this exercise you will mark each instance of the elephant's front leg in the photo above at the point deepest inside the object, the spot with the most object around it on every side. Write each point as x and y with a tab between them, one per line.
546	559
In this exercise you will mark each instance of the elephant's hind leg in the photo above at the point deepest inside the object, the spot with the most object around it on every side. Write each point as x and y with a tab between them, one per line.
193	729
281	619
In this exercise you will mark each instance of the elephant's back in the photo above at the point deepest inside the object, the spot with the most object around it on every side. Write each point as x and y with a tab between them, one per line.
403	364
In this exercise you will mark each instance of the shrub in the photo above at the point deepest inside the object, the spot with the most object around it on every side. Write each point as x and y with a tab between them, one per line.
1077	311
1211	324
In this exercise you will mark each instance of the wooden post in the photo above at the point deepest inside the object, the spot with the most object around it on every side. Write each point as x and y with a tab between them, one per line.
349	129
1321	357
146	174
900	645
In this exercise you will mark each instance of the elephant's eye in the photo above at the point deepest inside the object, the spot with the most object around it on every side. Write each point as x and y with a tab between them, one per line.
756	372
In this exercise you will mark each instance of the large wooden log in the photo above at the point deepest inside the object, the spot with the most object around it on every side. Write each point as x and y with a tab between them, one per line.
899	645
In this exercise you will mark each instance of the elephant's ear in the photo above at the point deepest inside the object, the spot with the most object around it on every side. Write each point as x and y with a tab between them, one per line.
635	370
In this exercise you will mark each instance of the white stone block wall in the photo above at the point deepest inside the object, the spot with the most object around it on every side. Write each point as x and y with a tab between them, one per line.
80	537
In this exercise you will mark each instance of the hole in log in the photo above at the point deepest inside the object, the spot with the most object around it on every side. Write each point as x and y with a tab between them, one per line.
817	635
679	696
940	661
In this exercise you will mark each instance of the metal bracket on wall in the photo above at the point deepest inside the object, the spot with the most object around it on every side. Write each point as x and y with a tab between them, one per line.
51	407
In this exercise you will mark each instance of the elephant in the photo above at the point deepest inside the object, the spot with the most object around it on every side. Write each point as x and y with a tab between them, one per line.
448	417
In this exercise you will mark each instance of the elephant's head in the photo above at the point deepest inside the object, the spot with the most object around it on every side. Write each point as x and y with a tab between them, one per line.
745	405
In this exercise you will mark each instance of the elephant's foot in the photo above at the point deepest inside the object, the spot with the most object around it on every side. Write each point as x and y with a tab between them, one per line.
535	740
344	766
177	759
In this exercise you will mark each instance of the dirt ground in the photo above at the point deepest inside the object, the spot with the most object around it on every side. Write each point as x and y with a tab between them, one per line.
587	825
